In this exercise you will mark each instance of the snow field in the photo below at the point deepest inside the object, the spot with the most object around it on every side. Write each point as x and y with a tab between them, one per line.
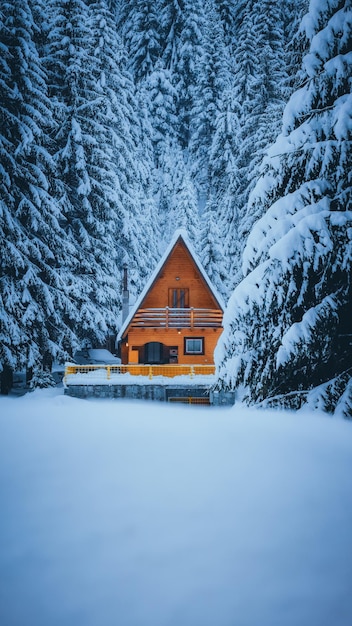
119	513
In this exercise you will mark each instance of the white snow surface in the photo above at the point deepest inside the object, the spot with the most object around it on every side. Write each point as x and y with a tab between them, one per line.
99	377
120	513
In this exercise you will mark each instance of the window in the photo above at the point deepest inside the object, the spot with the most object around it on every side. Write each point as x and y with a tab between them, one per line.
194	345
178	298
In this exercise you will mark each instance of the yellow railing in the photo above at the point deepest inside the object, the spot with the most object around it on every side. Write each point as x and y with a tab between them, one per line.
140	370
190	400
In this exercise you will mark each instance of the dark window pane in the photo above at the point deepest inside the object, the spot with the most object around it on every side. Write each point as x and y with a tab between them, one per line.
174	299
182	299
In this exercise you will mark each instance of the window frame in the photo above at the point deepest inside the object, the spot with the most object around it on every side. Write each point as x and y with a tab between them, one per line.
193	352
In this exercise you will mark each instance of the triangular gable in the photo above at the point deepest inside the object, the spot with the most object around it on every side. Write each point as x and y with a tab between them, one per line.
179	234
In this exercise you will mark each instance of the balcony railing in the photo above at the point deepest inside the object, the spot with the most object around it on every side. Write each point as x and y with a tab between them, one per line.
96	374
177	318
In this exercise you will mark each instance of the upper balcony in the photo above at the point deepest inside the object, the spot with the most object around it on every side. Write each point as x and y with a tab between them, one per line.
177	318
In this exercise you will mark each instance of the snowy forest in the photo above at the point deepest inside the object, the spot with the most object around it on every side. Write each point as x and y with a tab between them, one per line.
124	120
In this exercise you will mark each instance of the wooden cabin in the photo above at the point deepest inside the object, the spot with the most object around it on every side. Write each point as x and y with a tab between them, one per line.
178	317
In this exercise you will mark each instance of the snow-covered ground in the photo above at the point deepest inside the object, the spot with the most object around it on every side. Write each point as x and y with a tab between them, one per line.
119	513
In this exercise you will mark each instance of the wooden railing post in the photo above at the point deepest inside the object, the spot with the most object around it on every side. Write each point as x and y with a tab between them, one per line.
150	373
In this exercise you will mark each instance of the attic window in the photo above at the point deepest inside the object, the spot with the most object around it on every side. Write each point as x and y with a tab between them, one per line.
178	298
194	345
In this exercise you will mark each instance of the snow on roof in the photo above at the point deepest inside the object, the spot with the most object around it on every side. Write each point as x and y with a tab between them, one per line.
182	234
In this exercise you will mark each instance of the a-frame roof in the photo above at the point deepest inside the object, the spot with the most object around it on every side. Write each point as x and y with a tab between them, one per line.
179	235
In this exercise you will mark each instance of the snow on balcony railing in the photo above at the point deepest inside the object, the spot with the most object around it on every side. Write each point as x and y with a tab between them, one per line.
123	374
177	318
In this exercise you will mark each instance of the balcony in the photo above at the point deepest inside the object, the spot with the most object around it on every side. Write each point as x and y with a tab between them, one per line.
177	318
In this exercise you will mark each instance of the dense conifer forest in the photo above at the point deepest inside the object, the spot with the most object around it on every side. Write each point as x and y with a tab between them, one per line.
122	121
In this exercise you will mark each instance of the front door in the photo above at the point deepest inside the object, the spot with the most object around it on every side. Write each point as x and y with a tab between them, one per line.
153	352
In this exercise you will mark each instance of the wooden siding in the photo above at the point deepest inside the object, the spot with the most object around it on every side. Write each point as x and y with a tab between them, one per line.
170	338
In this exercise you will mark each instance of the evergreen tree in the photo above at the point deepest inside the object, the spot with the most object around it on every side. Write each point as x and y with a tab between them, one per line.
98	156
178	198
165	187
141	232
213	78
212	248
296	44
183	25
84	156
223	185
161	98
227	12
139	24
131	163
36	310
186	205
287	327
259	79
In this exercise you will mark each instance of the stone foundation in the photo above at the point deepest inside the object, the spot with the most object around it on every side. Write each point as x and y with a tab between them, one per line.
161	393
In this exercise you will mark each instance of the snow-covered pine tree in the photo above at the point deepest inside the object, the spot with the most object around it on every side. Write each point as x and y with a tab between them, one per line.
223	186
139	24
12	260
35	305
212	249
259	90
178	204
227	12
165	172
288	326
213	79
296	43
131	154
161	98
183	24
98	152
140	236
186	205
85	158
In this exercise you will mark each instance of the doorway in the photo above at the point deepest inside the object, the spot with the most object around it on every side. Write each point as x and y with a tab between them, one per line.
153	352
